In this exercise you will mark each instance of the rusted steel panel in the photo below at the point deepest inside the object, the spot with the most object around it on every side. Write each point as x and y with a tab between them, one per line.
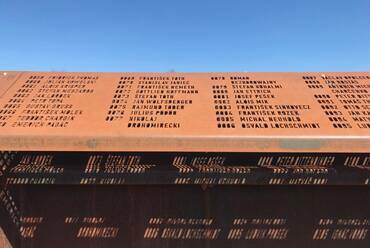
184	168
185	159
191	216
276	112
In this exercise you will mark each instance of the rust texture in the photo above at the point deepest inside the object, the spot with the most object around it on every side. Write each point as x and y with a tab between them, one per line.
184	160
279	112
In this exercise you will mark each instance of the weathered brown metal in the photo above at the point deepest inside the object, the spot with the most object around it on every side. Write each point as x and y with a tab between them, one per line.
87	98
185	159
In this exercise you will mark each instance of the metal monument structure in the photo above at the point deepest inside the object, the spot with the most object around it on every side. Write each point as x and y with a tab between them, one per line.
185	159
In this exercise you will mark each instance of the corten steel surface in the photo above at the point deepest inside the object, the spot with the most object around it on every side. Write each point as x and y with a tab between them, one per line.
185	159
279	112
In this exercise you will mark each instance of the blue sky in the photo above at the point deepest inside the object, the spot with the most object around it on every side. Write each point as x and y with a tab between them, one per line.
189	35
